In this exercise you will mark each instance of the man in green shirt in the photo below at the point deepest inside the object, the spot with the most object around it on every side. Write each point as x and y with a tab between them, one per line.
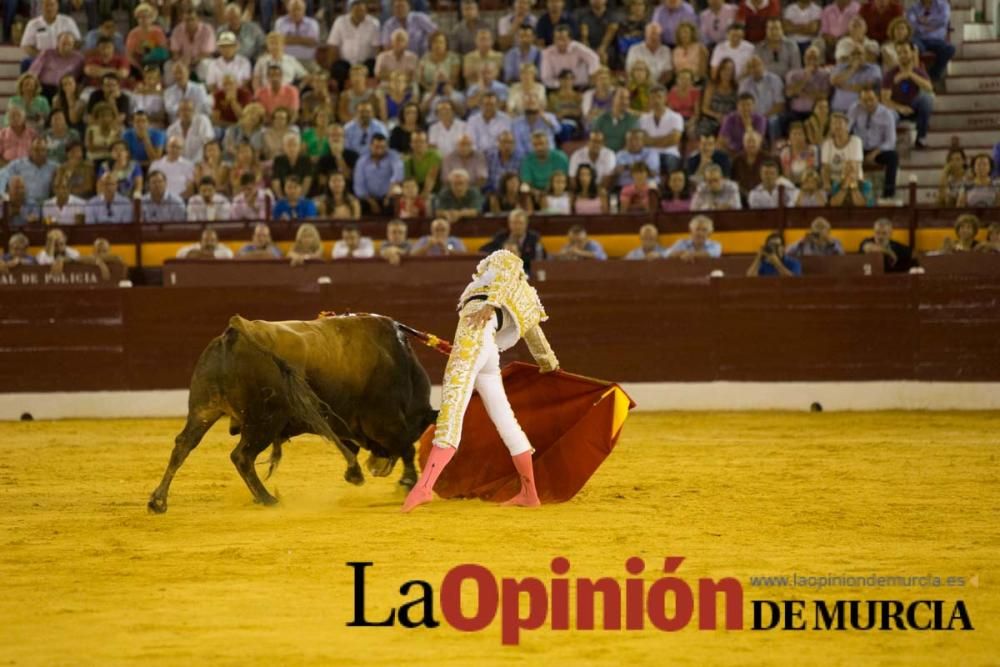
538	166
458	199
423	164
616	123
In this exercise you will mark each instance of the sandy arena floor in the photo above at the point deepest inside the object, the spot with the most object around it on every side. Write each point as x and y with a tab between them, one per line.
90	578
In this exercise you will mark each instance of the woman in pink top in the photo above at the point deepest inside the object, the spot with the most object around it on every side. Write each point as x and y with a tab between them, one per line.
689	52
589	198
677	197
639	196
684	98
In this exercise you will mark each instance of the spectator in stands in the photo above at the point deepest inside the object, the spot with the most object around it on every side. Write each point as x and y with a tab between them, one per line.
410	122
358	133
37	171
735	48
146	43
588	197
246	163
212	164
301	33
523	53
663	129
486	126
534	119
355	39
876	126
64	208
600	98
147	96
600	158
811	193
566	104
458	199
53	64
294	205
671	14
397	59
17	253
78	172
316	95
817	242
639	195
465	156
980	190
292	162
966	230
251	201
771	259
144	143
714	21
954	176
719	99
444	134
768	91
276	95
249	35
110	93
852	189
230	63
716	193
819	122
291	69
191	41
58	136
439	243
439	66
526	243
690	55
56	252
780	53
68	100
178	169
708	153
208	248
192	127
807	86
338	203
878	15
554	16
396	245
160	205
907	90
698	245
16	138
29	98
992	242
649	245
538	166
635	152
376	174
835	22
768	194
463	36
676	197
802	20
208	205
42	32
929	20
896	256
617	121
103	130
504	159
653	53
308	245
597	26
900	35
261	246
798	155
418	27
423	164
411	204
850	78
352	245
857	39
108	206
473	61
747	164
756	14
19	212
126	171
509	195
578	246
185	90
840	148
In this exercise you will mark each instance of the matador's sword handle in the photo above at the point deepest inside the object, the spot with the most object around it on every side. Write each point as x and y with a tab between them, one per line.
430	340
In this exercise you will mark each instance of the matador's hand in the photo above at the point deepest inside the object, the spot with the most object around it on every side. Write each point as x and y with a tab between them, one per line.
479	318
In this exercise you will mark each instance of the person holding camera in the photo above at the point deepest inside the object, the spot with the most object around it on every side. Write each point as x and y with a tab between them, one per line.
771	259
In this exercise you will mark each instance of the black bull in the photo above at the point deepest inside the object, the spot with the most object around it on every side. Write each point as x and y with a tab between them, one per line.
353	380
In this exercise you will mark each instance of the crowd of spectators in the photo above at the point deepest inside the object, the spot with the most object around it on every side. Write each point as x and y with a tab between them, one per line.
300	110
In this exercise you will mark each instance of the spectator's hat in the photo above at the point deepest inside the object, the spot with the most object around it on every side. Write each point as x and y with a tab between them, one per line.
227	39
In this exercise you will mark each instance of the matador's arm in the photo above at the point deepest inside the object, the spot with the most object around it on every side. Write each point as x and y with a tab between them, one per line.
540	349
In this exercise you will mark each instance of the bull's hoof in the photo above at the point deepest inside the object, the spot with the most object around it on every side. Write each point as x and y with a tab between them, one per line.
408	481
380	466
266	501
156	505
354	475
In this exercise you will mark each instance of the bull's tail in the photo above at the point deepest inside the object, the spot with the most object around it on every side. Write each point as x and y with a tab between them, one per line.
287	384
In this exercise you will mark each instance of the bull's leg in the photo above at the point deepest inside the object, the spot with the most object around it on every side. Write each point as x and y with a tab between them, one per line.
244	456
353	474
409	477
194	430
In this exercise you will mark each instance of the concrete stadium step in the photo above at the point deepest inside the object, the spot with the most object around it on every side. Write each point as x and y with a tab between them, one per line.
988	47
11	54
972	84
974	67
927	177
988	120
935	157
976	32
942	139
967	102
8	87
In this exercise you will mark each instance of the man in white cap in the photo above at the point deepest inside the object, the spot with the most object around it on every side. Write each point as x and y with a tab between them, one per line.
229	62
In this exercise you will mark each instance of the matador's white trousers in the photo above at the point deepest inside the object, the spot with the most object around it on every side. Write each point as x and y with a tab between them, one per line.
474	363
